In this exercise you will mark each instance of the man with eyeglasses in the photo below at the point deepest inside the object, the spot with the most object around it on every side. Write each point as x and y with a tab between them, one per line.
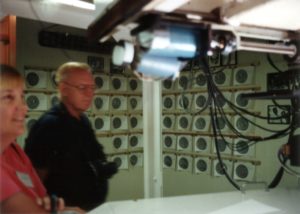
63	147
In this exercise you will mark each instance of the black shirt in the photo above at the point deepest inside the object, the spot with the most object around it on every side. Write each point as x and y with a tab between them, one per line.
66	146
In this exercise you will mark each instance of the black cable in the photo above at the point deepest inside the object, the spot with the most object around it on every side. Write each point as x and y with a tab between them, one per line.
227	122
255	140
272	63
234	108
213	89
277	104
276	180
216	109
224	170
215	133
278	177
278	133
218	71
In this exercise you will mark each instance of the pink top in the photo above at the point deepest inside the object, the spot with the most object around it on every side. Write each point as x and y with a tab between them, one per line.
18	175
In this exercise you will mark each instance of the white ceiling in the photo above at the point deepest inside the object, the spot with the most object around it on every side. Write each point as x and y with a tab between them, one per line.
48	11
284	14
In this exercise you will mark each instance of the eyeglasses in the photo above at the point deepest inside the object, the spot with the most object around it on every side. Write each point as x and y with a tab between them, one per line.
82	88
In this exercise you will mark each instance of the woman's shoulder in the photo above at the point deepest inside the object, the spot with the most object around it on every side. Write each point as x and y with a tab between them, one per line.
7	185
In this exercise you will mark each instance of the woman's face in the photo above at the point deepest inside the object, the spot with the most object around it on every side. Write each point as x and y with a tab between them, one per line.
12	112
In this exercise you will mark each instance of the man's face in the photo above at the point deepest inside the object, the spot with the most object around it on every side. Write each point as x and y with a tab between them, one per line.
78	90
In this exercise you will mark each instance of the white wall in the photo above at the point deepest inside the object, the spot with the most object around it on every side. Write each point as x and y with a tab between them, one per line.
182	183
128	184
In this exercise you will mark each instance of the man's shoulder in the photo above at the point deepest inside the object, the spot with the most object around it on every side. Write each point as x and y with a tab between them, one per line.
49	118
47	127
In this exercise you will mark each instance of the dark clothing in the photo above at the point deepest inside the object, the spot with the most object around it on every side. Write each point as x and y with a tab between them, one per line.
75	161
